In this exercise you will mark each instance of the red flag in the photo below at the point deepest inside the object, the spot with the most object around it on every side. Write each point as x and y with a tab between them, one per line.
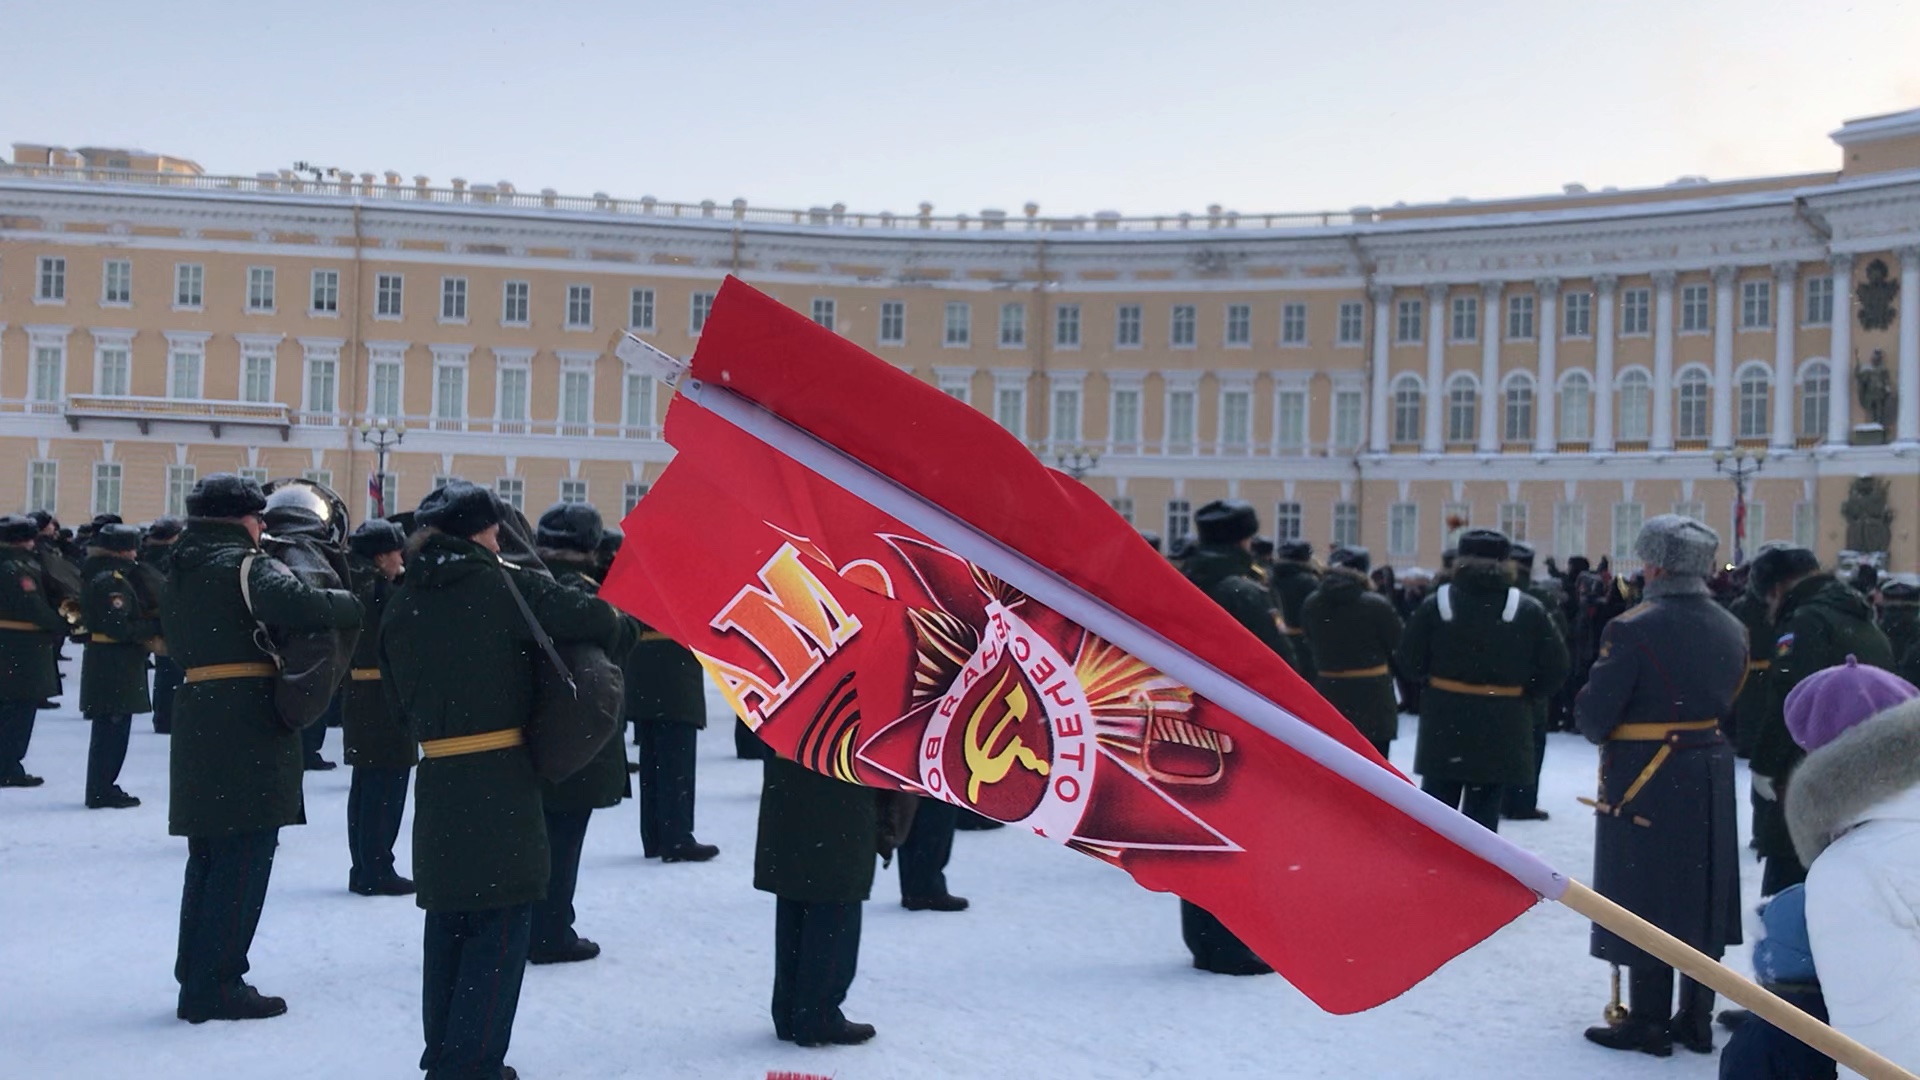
1016	648
377	492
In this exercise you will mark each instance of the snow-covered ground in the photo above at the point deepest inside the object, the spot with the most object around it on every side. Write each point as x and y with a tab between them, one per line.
1062	968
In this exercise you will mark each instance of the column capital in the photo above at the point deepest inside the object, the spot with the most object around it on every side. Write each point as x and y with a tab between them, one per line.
1664	279
1908	255
1604	284
1723	276
1437	291
1379	292
1841	263
1786	271
1490	290
1547	287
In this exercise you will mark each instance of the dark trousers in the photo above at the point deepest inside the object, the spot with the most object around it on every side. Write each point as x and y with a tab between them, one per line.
106	753
1481	802
1383	747
1522	800
16	731
667	753
312	738
226	887
376	801
1650	998
1213	946
167	677
553	917
815	950
471	969
746	745
1760	1051
923	854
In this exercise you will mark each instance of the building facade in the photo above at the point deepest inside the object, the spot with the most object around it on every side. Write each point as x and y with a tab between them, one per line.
1561	368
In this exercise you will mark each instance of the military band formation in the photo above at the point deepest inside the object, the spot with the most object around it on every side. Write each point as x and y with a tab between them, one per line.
430	638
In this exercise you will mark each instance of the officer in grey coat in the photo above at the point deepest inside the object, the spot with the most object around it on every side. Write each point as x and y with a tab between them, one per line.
1665	834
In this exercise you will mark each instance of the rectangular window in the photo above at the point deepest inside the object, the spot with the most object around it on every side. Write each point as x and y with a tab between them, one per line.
957	385
893	322
1353	322
256	377
1403	530
53	280
1010	409
258	476
1239	324
1577	317
579	307
1286	521
823	310
189	285
116	371
1293	323
49	375
385	391
1627	519
389	291
1519	318
1066	326
1756	526
1465	324
1346	420
573	490
1013	326
576	401
326	293
1806	525
1454	520
636	410
389	501
1695	510
323	379
43	485
1236	420
1126	327
1409	317
179	483
1180	421
450	394
116	283
1569	530
700	307
323	477
640	310
632	493
1513	521
513	405
183	376
1695	309
515	297
1634	307
958	333
1125	425
106	487
1290	421
513	491
1181	334
441	480
453	300
260	288
1179	522
1819	301
1756	305
1346	524
1065	428
1122	505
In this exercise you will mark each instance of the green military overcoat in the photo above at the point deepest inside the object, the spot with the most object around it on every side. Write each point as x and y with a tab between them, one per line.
1351	628
30	649
375	736
601	782
818	836
1293	582
113	671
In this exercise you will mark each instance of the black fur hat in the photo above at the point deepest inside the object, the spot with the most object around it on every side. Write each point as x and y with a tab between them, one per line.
459	509
225	495
1226	521
569	527
376	537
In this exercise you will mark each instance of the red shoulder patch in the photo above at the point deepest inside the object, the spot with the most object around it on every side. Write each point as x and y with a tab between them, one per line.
28	584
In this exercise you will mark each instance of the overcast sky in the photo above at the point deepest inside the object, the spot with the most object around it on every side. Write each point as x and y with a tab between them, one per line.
1079	106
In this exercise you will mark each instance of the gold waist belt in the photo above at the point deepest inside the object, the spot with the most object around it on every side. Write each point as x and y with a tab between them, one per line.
654	635
1473	689
247	670
473	744
16	624
1657	732
1356	673
1759	665
364	674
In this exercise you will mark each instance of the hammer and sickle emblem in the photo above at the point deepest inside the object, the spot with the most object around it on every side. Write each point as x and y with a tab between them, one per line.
986	765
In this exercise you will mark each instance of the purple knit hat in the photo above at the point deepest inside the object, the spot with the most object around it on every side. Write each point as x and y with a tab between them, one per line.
1829	701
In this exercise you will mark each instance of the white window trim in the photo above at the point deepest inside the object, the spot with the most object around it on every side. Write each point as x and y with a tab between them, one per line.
1356	343
93	492
1000	328
452	356
880	325
1080	328
1239	382
505	360
1566	312
246	294
1136	381
1173	320
1680	312
317	350
104	339
1140	326
175	298
504	321
1016	379
1075	381
377	316
572	361
593	304
1178	381
944	377
1621	330
267	345
313	283
946	324
1226	327
106	303
187	342
1351	382
653	308
387	352
440	316
1452	320
66	283
1766	292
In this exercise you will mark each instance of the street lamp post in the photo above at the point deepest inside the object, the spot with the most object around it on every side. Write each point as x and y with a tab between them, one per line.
1740	465
1078	462
382	435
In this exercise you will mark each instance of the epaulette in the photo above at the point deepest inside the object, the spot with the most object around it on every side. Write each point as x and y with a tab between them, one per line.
1633	612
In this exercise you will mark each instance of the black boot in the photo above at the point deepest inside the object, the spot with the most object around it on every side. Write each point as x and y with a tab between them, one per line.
1648	1037
246	1003
844	1033
113	799
947	902
693	851
581	949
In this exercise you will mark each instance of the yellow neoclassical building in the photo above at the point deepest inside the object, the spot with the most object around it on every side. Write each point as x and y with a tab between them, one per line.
1560	367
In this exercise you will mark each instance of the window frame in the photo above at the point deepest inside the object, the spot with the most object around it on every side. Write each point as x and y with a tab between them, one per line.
323	293
109	269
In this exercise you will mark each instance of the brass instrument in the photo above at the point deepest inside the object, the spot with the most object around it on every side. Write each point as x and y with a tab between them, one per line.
1615	1013
69	608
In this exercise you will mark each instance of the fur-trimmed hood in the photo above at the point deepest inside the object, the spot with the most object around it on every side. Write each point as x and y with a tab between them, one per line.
1851	779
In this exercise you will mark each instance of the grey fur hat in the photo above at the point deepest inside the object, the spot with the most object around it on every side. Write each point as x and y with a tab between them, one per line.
1678	545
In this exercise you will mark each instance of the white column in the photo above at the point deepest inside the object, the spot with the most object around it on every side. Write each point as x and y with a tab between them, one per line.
1489	367
1723	388
1546	394
1605	285
1378	433
1840	354
1433	439
1662	360
1786	324
1907	382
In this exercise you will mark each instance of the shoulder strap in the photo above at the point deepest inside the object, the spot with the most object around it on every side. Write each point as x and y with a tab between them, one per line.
262	637
539	632
1444	597
1513	606
246	582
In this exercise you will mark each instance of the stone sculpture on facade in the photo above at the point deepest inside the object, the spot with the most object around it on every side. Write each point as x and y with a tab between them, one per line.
1877	392
1869	519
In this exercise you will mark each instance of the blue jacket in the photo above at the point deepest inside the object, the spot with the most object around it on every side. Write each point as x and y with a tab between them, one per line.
1785	956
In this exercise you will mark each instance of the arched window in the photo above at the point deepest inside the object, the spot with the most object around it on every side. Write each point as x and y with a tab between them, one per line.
1816	389
1406	409
1518	426
1753	402
1690	421
1576	407
1463	409
1636	406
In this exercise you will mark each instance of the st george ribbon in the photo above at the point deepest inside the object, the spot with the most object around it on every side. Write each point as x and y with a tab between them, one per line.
892	590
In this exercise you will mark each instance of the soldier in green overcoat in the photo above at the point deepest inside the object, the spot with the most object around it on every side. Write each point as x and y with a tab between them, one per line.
457	659
667	704
379	748
1750	708
1294	579
30	634
156	556
113	672
1482	648
1900	621
235	766
1522	801
1353	631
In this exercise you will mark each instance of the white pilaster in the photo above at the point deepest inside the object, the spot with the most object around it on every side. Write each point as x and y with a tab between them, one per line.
1605	285
1433	437
1489	367
1785	328
1907	384
1840	354
1662	360
1546	397
1723	388
1377	430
